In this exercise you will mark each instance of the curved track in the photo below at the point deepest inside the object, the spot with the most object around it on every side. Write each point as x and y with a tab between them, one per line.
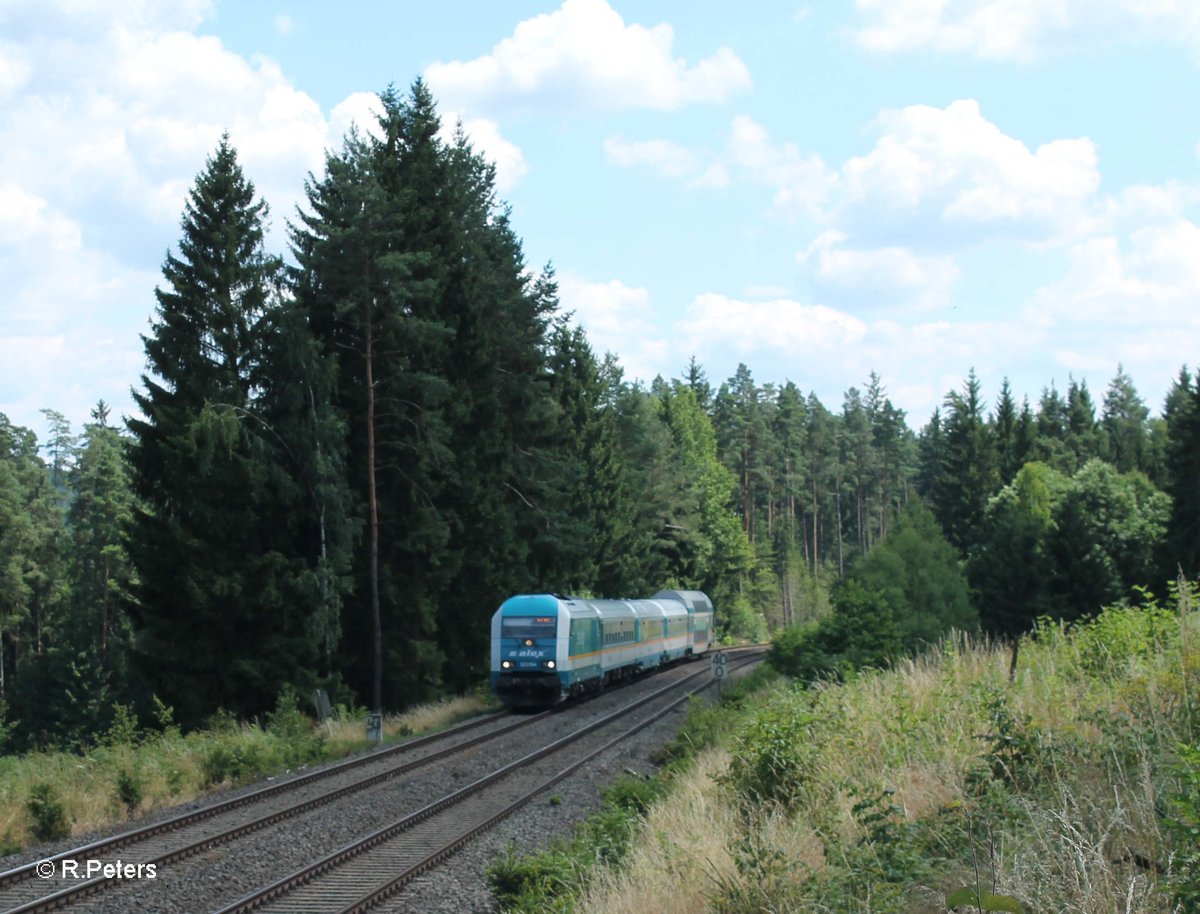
349	880
24	890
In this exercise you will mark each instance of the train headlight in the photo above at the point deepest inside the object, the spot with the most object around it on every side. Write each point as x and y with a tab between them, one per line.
549	664
505	664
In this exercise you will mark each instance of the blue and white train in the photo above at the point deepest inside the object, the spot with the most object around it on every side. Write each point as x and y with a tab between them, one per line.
547	647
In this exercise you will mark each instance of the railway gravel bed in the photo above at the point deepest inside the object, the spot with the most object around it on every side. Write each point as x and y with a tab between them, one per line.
459	886
141	852
221	875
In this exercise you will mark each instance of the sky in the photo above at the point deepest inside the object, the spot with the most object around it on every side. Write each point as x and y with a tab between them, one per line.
913	187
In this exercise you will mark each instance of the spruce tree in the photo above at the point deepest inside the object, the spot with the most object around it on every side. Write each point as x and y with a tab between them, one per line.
968	474
1125	423
1182	414
1004	426
100	514
219	622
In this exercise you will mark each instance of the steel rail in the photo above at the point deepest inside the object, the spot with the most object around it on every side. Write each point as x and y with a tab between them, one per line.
16	878
364	900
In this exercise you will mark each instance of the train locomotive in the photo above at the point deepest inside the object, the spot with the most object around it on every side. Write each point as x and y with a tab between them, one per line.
548	647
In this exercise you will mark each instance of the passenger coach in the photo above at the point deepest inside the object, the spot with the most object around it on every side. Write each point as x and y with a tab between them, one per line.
546	647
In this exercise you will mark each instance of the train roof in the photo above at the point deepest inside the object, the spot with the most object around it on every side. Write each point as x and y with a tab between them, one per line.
662	604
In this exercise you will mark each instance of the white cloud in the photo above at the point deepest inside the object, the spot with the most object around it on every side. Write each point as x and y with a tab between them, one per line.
485	138
1126	299
285	24
951	171
1019	29
112	108
663	156
116	122
803	182
617	318
584	55
1153	278
885	273
28	223
14	69
824	347
781	324
360	110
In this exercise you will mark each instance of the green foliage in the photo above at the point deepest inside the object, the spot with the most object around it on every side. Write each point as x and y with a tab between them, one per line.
232	404
47	815
123	731
130	789
774	753
297	741
970	897
1081	543
1183	826
1016	529
6	726
885	861
239	753
1107	532
1120	635
862	632
920	579
1182	459
548	881
797	651
764	878
967	475
1016	751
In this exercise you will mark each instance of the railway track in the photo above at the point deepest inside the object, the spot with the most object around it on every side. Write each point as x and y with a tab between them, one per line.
364	873
24	891
27	889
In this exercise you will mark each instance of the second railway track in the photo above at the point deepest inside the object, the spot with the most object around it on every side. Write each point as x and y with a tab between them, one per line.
363	874
211	835
25	889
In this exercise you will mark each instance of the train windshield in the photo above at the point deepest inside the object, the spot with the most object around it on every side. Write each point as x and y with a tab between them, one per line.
528	627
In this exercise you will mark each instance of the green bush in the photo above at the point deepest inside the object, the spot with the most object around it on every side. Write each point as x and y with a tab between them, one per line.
861	632
297	741
123	731
1016	751
536	884
1183	825
1121	633
774	755
798	652
129	789
47	813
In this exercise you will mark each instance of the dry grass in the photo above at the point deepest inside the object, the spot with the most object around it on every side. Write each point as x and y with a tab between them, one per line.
425	718
685	843
170	769
1063	836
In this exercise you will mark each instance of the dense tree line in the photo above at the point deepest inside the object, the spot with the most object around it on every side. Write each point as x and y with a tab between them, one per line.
345	460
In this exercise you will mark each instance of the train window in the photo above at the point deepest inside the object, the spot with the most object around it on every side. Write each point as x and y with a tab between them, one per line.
528	627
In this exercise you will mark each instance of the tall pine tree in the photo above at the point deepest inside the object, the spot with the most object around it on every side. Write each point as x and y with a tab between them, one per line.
222	609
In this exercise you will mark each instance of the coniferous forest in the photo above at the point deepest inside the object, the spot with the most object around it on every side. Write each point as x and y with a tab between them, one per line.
346	457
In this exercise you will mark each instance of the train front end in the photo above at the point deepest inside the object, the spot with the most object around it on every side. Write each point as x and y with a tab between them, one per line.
529	647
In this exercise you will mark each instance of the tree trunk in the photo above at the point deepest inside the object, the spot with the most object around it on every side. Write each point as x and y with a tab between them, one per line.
104	620
373	510
837	501
815	550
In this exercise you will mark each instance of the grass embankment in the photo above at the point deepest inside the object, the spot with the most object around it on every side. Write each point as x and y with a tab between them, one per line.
47	796
1070	789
